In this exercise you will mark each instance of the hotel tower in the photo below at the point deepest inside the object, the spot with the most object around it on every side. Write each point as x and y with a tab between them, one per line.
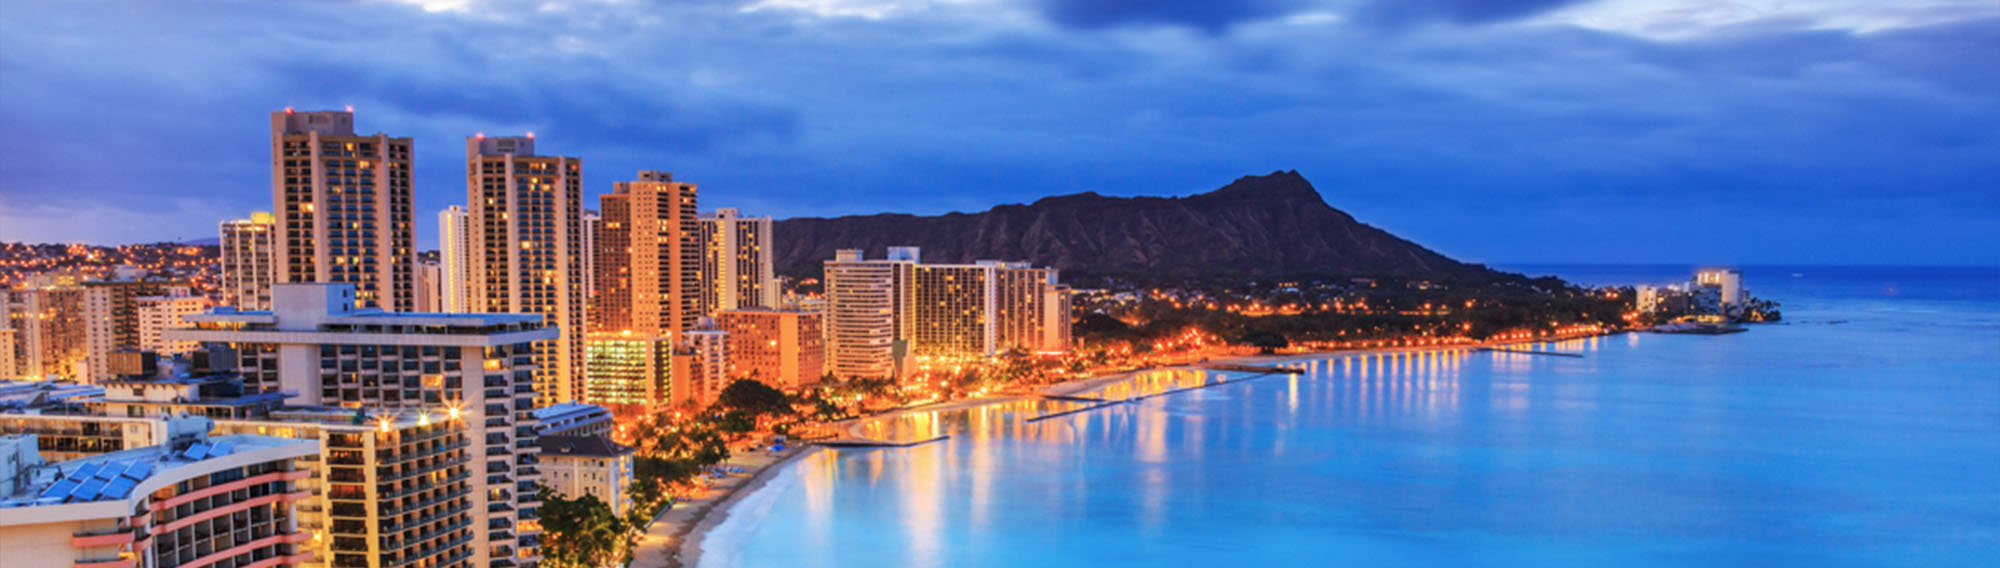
453	260
736	262
649	258
247	261
525	220
343	207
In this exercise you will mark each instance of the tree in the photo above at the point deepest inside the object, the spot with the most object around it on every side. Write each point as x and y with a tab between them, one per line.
582	533
753	397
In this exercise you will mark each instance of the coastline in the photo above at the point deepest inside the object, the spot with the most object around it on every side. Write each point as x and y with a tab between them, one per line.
688	551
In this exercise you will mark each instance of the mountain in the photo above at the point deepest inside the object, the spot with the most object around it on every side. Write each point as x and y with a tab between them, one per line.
1270	225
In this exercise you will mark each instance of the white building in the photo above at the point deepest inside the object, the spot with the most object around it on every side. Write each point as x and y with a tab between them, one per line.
160	313
574	466
317	343
737	257
454	266
247	261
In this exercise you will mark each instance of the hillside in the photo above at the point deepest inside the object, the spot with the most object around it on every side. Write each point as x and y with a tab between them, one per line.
1270	225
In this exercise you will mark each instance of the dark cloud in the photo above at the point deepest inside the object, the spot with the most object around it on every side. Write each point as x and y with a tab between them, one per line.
1405	12
1211	16
1489	142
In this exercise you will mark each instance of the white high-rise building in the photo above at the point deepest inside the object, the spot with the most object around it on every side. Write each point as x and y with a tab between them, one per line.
736	262
247	261
343	207
862	301
453	263
160	313
319	343
526	221
882	315
430	286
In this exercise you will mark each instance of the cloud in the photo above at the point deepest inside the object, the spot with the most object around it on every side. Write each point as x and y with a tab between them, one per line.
1406	12
1212	16
1464	137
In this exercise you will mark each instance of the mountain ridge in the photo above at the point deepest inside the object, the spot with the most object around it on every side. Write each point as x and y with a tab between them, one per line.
1275	224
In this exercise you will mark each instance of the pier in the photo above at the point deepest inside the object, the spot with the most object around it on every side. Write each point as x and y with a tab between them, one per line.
1531	352
872	443
1246	368
1261	372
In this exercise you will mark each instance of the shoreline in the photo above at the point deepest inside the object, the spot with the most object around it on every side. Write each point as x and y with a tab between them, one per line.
688	552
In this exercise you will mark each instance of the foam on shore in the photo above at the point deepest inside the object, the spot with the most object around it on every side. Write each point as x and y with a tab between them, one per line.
718	541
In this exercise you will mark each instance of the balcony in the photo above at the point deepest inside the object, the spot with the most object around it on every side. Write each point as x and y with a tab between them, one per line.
108	537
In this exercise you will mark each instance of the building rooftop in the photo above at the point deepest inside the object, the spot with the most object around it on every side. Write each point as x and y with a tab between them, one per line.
562	409
582	446
27	394
113	475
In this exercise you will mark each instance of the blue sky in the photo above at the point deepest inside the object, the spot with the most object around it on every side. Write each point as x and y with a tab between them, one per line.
1697	131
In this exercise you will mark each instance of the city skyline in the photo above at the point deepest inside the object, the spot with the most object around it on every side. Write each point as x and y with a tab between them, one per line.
1840	133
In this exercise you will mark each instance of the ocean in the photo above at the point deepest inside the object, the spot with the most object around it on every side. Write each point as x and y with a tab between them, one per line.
1862	431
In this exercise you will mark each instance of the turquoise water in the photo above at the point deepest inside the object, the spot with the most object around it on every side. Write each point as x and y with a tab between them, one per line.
1866	443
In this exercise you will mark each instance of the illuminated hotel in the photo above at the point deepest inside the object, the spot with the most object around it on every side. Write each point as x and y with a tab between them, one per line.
525	221
454	286
781	348
392	489
111	319
736	262
631	373
649	259
863	298
48	331
196	501
319	344
343	207
389	487
880	312
248	263
706	354
157	314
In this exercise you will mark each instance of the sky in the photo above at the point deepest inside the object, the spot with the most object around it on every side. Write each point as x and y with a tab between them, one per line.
1622	131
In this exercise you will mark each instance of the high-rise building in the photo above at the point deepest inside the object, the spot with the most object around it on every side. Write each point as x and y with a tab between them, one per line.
1031	310
736	262
526	221
706	362
649	258
318	343
632	374
111	319
197	501
429	285
881	311
863	301
593	223
49	338
455	288
415	512
781	348
248	265
951	311
391	488
160	313
1727	282
7	345
343	207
